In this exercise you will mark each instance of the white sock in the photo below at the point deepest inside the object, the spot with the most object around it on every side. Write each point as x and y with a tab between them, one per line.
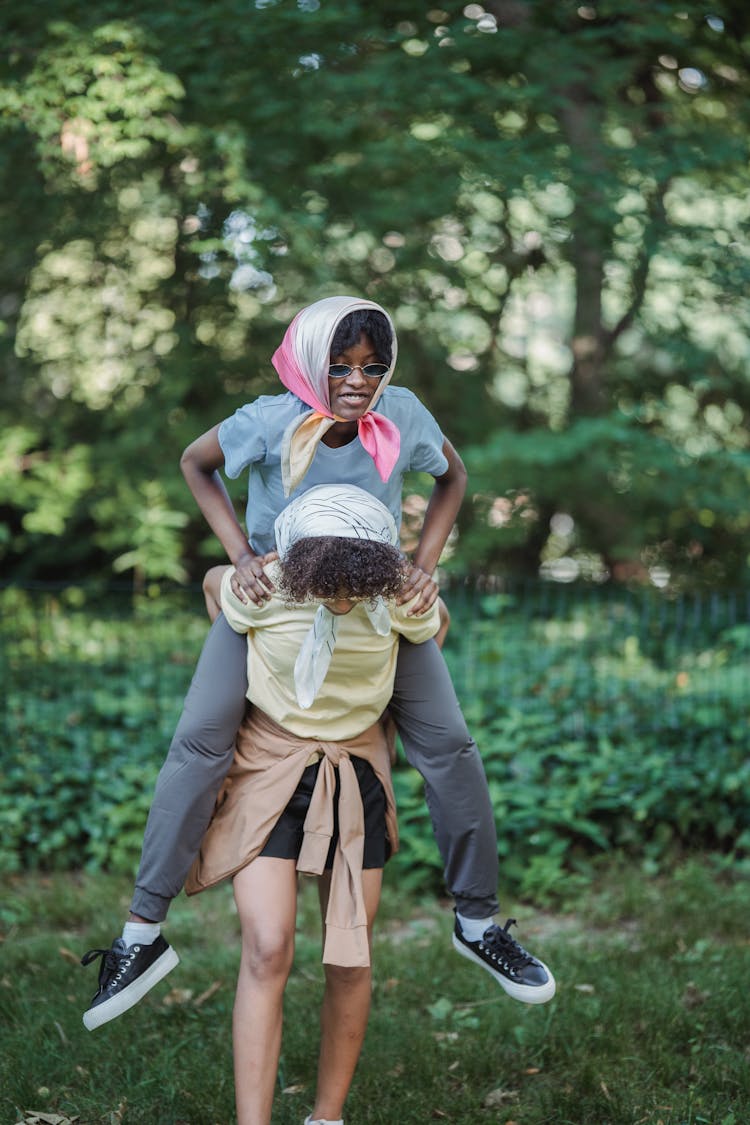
473	928
323	1121
144	933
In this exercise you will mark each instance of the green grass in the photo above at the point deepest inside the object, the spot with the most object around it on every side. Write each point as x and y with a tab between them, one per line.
651	1022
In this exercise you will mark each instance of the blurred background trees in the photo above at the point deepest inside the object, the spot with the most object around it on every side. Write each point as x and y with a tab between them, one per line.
550	198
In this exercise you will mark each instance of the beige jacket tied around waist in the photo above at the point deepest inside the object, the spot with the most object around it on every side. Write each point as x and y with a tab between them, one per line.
268	764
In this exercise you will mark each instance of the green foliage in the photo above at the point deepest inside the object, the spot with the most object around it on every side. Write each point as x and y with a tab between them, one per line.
550	198
629	477
91	703
606	723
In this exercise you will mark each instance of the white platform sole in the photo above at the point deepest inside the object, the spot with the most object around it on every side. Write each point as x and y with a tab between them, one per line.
526	993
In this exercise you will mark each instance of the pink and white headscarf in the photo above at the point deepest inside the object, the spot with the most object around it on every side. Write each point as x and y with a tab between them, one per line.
302	361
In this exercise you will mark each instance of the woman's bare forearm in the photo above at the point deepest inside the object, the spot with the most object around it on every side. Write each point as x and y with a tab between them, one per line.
200	465
442	510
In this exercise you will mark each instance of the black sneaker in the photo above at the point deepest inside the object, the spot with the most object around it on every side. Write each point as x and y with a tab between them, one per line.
125	976
522	976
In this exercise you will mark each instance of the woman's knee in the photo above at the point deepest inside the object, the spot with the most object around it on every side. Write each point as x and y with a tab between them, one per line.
448	744
453	737
207	735
267	954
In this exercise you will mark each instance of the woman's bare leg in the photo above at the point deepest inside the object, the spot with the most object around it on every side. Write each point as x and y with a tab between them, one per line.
343	1016
266	895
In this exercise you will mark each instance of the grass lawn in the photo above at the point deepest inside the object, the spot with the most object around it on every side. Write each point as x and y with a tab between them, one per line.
651	1023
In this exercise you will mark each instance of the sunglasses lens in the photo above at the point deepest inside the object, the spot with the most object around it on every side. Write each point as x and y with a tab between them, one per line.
371	370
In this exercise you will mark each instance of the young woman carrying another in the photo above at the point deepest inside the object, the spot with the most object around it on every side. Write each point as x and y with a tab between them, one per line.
310	787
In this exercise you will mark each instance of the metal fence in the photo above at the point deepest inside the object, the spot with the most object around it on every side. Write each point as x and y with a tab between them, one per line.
606	658
593	658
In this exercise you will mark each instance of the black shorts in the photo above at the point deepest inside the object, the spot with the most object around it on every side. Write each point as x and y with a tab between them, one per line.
285	840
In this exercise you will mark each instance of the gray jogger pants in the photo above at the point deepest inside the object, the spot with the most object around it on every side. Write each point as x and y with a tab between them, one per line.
435	739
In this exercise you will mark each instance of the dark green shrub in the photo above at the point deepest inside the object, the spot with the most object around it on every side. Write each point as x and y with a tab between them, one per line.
604	722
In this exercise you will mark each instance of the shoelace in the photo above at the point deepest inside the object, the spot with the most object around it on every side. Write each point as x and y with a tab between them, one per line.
498	940
112	963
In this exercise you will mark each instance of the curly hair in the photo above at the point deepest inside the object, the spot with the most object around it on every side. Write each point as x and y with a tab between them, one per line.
328	566
372	324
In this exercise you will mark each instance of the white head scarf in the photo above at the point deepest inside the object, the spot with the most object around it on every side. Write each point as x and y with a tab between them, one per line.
346	512
342	510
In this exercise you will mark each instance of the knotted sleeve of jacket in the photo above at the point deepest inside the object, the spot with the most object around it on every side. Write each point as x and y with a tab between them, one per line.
268	764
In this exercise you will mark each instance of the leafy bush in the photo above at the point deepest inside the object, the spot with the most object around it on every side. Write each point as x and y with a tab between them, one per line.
93	694
604	723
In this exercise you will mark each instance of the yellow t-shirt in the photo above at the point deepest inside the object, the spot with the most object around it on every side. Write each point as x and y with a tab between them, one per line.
359	682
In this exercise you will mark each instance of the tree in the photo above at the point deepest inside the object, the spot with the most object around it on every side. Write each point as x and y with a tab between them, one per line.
549	197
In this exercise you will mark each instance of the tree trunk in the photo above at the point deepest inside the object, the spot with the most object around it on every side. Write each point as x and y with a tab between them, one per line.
581	120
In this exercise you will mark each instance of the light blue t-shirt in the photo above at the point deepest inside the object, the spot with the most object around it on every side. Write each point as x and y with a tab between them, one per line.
252	437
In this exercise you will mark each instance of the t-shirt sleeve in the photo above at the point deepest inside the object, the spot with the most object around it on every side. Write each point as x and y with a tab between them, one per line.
244	616
415	629
235	611
243	439
426	441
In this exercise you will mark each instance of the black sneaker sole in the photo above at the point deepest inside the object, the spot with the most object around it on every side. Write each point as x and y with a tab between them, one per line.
129	997
526	993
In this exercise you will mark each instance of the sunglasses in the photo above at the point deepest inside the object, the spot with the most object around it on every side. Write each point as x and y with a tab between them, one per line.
371	370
